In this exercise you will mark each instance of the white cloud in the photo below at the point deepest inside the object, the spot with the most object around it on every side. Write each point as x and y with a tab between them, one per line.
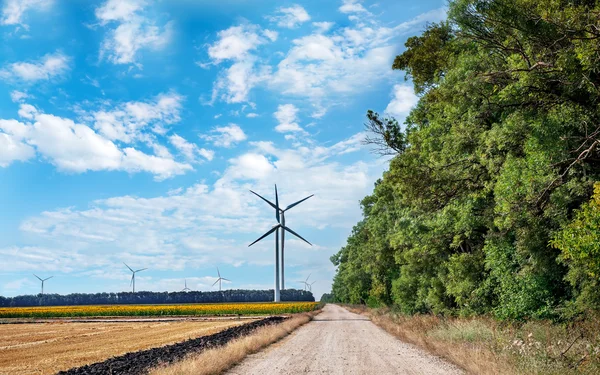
252	115
272	35
18	96
48	67
133	32
402	101
290	17
225	136
14	10
352	6
190	150
76	148
287	116
127	121
325	68
12	150
236	44
323	27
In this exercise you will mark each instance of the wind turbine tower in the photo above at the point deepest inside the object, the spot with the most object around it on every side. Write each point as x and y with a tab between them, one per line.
132	283
280	216
42	280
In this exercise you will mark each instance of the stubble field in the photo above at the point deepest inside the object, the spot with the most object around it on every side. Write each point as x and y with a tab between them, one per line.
45	348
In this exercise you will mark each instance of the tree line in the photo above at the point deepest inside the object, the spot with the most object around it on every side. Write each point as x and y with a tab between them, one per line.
127	298
488	206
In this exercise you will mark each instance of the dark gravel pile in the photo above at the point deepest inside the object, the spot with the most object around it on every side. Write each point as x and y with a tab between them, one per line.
137	363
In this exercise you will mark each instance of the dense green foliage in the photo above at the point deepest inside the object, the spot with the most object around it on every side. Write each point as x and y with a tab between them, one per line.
126	298
484	207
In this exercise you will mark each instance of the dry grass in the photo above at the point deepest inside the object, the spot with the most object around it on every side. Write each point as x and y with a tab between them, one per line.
46	348
483	345
218	360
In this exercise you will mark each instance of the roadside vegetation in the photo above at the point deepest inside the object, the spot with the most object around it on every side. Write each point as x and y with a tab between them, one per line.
159	310
218	360
483	345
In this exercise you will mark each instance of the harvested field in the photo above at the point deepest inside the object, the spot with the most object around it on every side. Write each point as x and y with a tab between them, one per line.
45	348
141	362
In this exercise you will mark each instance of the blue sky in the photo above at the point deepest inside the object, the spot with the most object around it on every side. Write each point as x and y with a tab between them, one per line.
131	131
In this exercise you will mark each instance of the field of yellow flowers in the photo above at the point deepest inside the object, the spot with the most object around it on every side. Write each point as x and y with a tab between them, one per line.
158	310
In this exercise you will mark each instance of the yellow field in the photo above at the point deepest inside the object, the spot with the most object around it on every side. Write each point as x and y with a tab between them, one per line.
158	310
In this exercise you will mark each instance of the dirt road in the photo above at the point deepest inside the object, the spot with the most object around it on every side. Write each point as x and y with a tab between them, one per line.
340	342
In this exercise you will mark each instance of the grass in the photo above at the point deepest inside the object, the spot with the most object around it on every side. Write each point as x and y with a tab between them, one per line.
482	345
218	360
159	310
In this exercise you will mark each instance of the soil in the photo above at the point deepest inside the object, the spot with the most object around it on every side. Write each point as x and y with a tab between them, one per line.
137	363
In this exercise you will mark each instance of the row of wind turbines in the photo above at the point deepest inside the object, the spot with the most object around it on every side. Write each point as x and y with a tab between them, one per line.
279	228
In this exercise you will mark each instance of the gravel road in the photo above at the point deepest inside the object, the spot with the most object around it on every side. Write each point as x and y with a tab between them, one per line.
340	342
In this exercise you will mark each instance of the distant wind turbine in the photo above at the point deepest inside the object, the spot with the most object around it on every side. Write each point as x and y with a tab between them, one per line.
42	280
186	289
132	283
305	282
310	286
220	279
280	216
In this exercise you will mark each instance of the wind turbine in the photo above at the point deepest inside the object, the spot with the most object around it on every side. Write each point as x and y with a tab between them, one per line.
310	286
219	279
42	280
186	289
133	275
280	216
305	282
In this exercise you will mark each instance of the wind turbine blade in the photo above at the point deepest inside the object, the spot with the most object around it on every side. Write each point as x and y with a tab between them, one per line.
216	281
218	272
308	277
226	280
297	235
266	234
297	203
131	282
37	277
127	266
47	278
270	204
277	205
143	269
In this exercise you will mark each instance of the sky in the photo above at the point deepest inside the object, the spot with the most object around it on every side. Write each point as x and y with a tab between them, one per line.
131	131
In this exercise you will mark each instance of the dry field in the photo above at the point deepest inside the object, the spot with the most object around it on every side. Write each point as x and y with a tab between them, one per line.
46	348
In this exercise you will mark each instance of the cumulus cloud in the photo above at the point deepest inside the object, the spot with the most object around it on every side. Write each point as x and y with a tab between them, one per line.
352	6
325	68
76	148
133	31
14	10
290	17
403	99
225	136
236	45
46	68
126	121
18	96
287	116
190	150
